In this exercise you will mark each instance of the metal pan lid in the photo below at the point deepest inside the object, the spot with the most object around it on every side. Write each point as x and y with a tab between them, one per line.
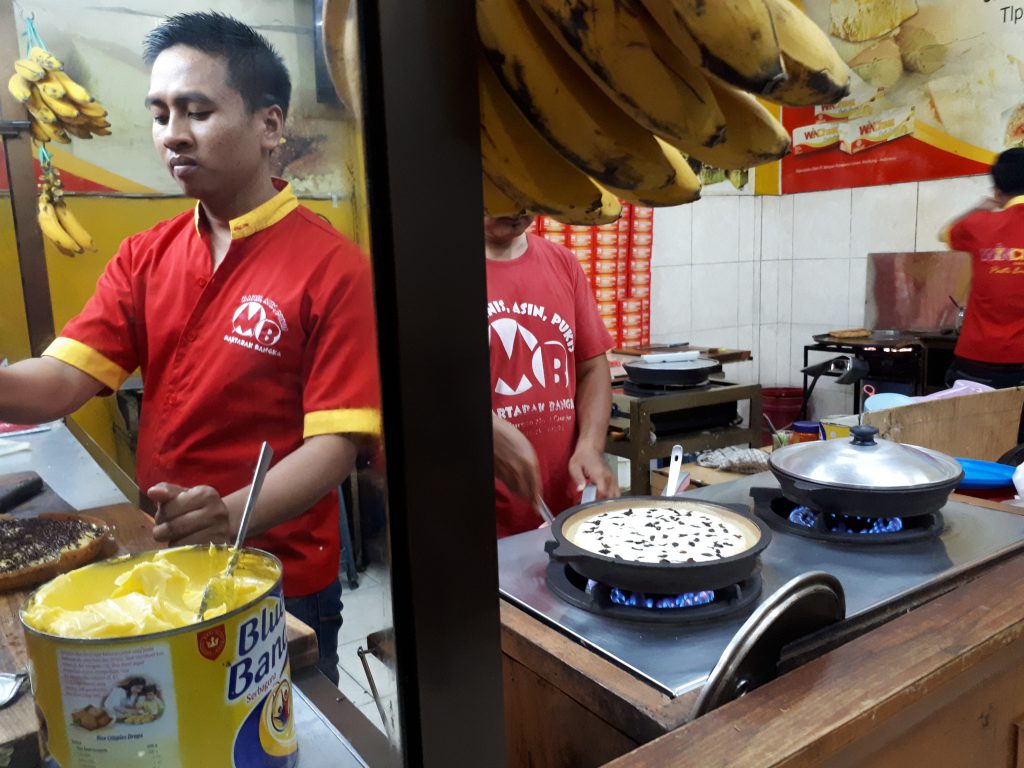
865	462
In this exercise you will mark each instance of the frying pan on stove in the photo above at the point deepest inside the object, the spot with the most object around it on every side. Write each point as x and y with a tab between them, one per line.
681	373
658	578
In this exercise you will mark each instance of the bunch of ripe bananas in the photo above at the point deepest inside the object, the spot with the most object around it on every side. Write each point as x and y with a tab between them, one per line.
57	105
56	220
588	102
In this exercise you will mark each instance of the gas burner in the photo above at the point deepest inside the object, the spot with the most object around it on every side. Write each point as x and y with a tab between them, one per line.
617	603
772	506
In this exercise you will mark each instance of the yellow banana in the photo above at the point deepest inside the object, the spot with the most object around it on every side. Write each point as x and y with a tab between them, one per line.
53	131
51	88
99	131
39	110
38	134
564	104
815	72
96	122
684	189
76	92
20	88
752	135
29	70
79	131
52	229
497	203
62	109
73	227
45	59
529	170
732	39
92	109
610	40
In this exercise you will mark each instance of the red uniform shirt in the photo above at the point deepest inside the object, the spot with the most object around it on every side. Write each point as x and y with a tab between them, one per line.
542	318
278	344
993	329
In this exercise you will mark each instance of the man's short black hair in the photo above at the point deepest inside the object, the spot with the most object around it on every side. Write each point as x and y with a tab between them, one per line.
255	69
1008	172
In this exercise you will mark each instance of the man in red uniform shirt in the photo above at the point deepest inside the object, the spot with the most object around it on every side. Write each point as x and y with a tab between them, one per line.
550	384
990	349
249	317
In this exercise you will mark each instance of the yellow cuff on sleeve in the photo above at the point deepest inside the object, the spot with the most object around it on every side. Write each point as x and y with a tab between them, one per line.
88	360
362	420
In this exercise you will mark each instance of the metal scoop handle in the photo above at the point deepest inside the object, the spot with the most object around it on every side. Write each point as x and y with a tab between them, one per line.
266	454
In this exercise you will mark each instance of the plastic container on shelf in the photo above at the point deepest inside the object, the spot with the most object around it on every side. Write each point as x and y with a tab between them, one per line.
782	405
806	431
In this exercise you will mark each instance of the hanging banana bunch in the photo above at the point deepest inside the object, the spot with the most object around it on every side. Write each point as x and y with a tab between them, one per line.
56	220
627	91
58	108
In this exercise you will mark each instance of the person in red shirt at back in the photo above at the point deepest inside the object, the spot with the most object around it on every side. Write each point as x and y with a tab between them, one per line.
249	317
550	383
990	349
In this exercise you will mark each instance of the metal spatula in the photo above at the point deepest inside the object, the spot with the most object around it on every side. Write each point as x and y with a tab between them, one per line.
266	454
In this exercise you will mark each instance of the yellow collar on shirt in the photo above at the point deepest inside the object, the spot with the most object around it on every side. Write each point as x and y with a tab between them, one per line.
261	217
1018	200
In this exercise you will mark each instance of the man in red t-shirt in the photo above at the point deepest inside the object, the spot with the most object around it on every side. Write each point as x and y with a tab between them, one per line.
249	318
550	383
990	349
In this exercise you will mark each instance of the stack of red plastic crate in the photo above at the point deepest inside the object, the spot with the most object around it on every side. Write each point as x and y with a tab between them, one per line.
616	258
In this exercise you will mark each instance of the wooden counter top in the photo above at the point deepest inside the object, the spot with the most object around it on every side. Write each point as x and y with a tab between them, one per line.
132	532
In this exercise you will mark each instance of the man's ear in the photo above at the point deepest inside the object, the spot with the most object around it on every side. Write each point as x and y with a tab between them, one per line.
273	127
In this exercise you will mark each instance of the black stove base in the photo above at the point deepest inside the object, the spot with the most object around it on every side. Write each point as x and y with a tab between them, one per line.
730	601
771	506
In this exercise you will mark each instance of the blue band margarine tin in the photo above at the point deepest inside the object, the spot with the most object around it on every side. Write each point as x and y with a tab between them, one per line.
124	676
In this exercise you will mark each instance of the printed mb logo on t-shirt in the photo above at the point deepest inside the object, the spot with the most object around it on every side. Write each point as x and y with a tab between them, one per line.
257	324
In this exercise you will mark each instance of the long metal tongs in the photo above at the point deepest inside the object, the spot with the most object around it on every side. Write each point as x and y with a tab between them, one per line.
266	454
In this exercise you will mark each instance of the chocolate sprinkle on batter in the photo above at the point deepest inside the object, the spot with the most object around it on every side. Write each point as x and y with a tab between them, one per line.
31	541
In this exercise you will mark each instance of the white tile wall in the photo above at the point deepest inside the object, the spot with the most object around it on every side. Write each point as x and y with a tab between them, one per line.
749	228
716	230
858	291
821	292
776	228
716	301
673	229
821	224
883	219
670	302
767	273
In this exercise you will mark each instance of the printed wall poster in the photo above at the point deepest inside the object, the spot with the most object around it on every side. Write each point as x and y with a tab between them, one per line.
937	90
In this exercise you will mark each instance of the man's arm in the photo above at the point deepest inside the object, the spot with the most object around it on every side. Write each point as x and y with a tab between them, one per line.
43	389
593	408
199	515
994	203
515	461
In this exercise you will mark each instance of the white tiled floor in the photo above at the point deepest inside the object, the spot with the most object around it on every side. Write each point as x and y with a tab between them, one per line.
367	609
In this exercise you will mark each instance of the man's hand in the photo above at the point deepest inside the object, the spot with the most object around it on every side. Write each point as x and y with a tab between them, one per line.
195	515
515	461
588	466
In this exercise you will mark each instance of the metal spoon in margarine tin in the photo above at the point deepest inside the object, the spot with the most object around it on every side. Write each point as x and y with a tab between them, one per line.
266	454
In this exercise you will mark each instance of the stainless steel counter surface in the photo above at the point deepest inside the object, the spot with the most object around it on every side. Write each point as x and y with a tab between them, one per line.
678	658
65	466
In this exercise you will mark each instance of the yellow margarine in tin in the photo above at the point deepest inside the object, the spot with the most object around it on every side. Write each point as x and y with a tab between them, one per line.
124	677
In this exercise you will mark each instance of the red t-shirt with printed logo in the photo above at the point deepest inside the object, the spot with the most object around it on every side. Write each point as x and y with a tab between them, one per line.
542	319
278	344
993	329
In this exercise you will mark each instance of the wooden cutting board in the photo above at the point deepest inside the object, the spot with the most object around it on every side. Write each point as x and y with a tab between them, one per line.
132	531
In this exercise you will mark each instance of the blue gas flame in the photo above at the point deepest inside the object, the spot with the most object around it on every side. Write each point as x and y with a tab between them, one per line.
847	523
